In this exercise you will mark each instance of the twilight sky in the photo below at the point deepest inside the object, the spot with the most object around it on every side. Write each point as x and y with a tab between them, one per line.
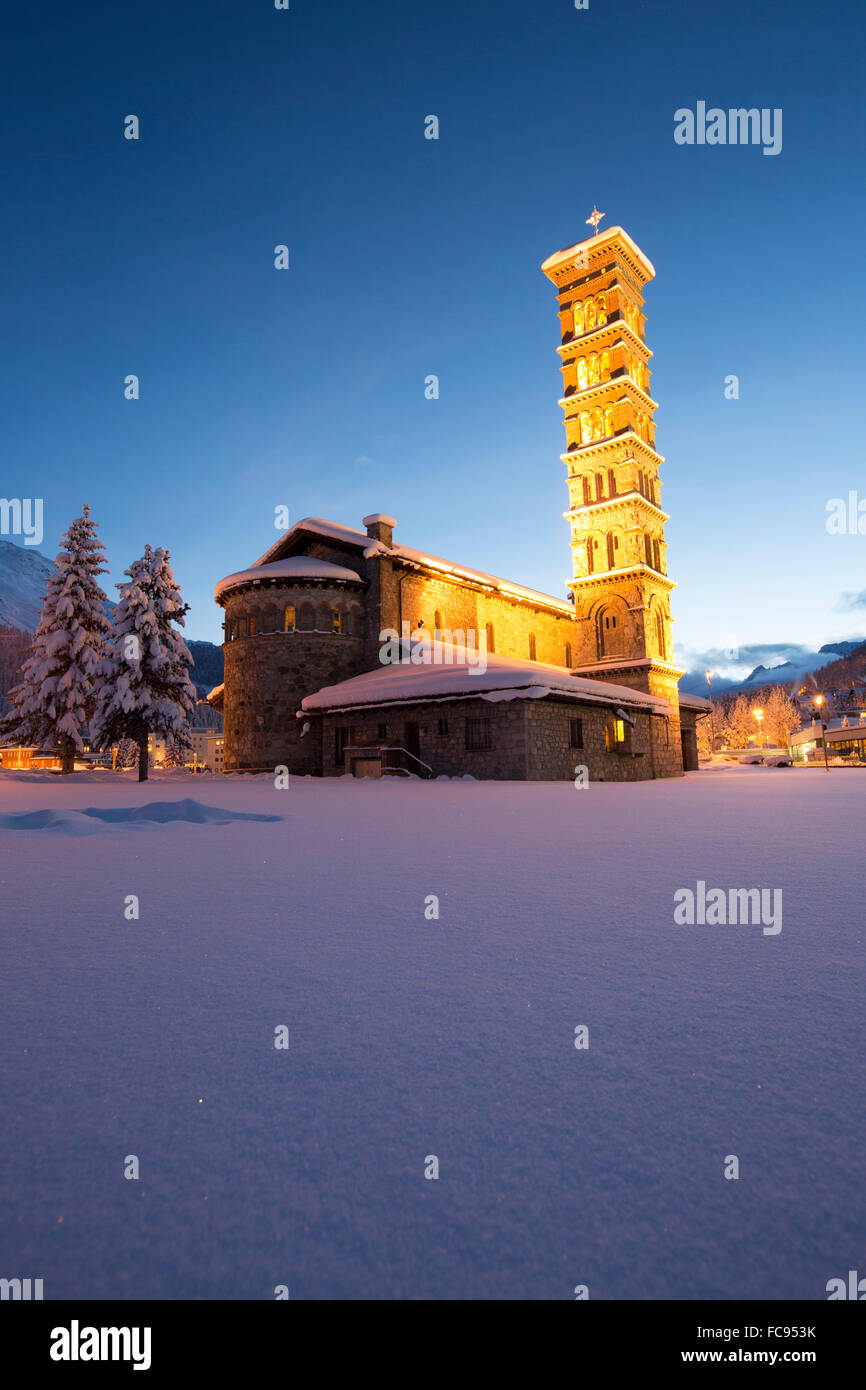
408	257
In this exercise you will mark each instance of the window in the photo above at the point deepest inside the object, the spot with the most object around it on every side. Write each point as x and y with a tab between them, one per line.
336	620
656	556
599	487
587	491
591	548
611	482
597	424
585	427
532	646
578	318
442	727
647	546
342	740
575	739
660	634
437	622
608	422
582	380
491	637
568	660
289	618
252	627
592	367
383	731
614	735
478	733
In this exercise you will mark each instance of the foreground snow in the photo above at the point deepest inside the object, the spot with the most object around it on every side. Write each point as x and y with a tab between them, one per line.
454	1037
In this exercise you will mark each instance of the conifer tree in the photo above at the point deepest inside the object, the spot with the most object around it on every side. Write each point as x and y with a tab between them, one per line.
54	701
144	676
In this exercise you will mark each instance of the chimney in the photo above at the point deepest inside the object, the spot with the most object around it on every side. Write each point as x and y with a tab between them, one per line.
380	527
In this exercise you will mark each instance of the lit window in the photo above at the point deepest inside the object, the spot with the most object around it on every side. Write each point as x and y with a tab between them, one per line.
289	618
336	620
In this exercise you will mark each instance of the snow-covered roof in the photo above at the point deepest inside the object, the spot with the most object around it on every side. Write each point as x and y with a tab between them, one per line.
596	242
695	701
295	567
359	539
438	670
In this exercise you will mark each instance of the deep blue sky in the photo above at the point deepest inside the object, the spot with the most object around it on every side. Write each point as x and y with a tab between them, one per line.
411	257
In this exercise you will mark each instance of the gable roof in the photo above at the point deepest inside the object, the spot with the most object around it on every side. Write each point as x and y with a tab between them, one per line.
405	554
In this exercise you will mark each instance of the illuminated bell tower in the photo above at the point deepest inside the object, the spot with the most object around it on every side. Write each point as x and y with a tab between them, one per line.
621	587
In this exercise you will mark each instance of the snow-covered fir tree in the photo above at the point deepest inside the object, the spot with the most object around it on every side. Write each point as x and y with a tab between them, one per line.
55	698
144	685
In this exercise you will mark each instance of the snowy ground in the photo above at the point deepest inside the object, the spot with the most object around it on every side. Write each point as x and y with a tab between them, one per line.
411	1037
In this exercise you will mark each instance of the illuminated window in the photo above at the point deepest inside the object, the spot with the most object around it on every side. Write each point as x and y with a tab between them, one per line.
289	618
581	373
585	427
578	318
608	422
601	307
336	620
592	367
597	424
590	314
605	365
252	627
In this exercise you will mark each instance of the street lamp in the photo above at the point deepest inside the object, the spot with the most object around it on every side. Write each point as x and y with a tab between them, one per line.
759	715
709	676
819	701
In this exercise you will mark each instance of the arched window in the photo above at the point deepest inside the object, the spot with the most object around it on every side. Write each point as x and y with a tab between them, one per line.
656	556
437	623
289	618
252	627
608	422
568	660
307	617
597	424
578	318
605	365
612	548
648	552
585	427
532	646
581	373
336	620
599	487
591	548
592	367
611	482
587	490
491	637
590	314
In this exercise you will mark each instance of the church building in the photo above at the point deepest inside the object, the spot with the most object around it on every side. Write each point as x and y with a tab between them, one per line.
347	651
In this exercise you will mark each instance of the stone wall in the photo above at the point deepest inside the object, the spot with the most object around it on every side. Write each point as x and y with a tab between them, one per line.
530	739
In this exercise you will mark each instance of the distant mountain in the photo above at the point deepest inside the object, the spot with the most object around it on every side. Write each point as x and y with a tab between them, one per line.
208	669
794	663
24	574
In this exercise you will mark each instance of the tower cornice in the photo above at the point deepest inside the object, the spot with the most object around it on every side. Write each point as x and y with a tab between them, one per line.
612	382
562	263
607	502
579	344
603	446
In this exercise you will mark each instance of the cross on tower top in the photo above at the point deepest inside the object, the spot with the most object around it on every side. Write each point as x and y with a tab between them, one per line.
594	218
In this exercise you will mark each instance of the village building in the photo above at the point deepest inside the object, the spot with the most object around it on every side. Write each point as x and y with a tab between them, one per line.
348	651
